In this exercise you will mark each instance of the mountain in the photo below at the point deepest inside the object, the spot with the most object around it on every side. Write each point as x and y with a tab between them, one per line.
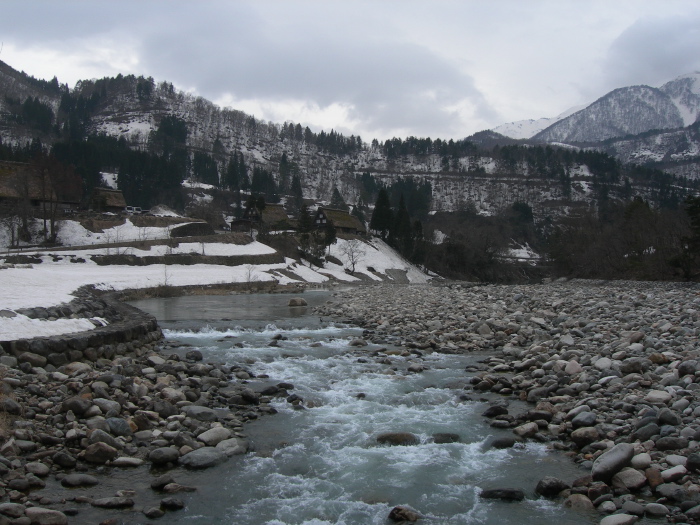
525	129
625	111
154	137
642	125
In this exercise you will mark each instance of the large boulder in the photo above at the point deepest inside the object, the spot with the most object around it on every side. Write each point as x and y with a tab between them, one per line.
629	478
204	457
99	453
403	514
78	405
550	487
612	461
397	438
214	436
41	516
504	494
163	455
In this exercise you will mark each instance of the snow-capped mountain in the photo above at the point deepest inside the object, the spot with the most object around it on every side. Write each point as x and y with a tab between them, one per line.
624	111
685	94
525	129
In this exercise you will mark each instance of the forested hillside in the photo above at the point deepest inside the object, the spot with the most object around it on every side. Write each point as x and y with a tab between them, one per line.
154	138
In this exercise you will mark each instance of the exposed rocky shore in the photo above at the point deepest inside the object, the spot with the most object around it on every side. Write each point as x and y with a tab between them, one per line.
75	409
611	371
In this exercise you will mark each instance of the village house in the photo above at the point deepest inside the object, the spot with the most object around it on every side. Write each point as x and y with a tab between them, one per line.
106	200
341	220
273	217
23	186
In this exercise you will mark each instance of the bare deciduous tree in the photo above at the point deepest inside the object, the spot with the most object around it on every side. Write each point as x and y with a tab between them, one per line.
354	251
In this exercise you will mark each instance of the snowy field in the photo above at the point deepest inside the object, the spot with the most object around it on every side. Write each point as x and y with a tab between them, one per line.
53	282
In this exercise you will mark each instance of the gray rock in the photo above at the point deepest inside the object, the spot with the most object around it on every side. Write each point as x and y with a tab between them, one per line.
584	419
233	446
671	443
13	510
214	436
37	468
79	480
78	405
204	457
647	432
579	502
629	478
117	502
10	406
398	438
656	510
99	453
119	426
612	461
41	516
504	494
619	519
163	455
200	413
100	436
549	486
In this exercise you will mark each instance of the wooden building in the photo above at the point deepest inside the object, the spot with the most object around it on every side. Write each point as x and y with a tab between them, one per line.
107	200
342	221
273	217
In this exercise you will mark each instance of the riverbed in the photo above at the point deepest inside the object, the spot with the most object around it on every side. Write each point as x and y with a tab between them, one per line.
318	461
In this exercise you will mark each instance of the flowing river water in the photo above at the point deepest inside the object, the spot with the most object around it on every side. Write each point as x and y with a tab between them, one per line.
322	464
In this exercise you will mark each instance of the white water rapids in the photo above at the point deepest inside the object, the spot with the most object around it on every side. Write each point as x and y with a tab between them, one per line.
322	464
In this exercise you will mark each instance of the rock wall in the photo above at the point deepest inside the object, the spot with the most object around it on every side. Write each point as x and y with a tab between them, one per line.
130	332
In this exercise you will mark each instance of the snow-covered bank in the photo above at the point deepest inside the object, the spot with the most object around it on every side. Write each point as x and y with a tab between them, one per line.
55	279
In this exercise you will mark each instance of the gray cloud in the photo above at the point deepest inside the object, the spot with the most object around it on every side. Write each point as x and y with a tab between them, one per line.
387	82
653	51
396	67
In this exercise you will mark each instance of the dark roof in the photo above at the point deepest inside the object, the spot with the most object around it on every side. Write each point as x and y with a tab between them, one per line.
19	180
273	216
342	219
108	198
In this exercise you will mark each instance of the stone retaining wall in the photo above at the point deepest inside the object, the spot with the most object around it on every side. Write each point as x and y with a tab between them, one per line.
129	332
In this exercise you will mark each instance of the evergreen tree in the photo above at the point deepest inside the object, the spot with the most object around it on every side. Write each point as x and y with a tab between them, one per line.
382	216
401	232
306	221
285	171
297	197
204	169
232	179
337	200
329	235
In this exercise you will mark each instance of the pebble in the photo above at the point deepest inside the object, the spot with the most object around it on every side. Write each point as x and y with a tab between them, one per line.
615	363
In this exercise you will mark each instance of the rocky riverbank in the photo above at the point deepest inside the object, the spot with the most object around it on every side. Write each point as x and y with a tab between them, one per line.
77	409
611	370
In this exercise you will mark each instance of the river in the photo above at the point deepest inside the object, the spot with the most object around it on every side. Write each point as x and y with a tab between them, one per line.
322	464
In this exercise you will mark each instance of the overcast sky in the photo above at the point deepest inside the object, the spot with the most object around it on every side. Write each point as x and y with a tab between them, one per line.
375	68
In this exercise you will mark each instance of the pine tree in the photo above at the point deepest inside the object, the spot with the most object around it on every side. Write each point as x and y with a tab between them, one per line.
337	200
382	216
297	197
306	222
329	235
401	234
